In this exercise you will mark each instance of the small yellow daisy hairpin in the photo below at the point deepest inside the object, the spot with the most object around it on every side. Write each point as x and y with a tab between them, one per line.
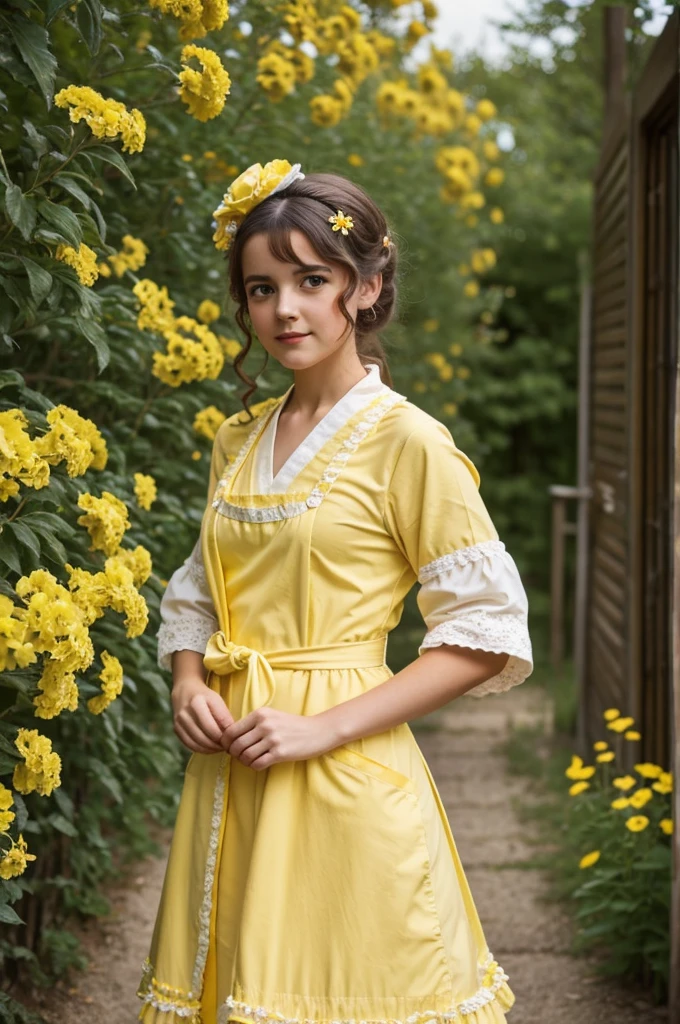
341	222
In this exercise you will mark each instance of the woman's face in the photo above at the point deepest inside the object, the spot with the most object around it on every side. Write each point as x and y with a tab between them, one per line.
287	298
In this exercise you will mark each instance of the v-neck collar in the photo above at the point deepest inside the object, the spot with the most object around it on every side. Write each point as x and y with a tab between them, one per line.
358	396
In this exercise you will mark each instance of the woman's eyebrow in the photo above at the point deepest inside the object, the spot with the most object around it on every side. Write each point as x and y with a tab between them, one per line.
305	268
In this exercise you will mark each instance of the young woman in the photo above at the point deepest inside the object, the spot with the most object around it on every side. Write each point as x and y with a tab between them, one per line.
313	876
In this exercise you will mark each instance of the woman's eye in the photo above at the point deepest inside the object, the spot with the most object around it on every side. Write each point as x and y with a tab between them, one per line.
255	291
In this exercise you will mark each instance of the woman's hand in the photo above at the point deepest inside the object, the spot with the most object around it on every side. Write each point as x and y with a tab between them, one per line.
266	736
200	716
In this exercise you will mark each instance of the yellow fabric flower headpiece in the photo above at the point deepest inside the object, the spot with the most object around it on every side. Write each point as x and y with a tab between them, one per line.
245	192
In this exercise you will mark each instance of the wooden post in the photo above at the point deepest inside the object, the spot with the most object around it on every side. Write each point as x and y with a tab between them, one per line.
583	507
674	994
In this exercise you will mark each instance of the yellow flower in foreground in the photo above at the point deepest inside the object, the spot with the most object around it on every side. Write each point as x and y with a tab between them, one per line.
632	734
621	724
577	769
600	745
640	797
664	784
131	257
355	160
610	714
431	325
589	859
637	823
145	490
15	860
578	787
624	782
196	455
230	346
471	289
491	150
607	755
187	158
494	177
208	311
205	91
6	801
666	824
83	260
648	770
620	803
486	109
74	439
496	215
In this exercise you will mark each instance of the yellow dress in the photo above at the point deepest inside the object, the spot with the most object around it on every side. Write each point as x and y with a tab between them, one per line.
329	889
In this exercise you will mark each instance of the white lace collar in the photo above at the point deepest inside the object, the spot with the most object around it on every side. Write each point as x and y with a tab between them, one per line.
358	396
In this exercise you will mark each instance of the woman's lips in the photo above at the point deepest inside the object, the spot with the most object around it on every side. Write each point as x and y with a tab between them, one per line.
293	339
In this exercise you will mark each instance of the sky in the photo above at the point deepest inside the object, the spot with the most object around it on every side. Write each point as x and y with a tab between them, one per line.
470	23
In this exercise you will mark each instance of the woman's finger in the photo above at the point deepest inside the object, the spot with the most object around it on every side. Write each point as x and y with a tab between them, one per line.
203	717
191	731
254	751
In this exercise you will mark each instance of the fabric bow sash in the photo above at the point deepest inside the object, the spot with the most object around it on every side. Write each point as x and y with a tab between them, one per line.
222	657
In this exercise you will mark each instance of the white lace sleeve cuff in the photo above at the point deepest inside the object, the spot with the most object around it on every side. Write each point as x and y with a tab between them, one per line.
474	597
188	616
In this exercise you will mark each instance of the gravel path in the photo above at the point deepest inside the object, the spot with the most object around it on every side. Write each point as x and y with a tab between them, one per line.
529	937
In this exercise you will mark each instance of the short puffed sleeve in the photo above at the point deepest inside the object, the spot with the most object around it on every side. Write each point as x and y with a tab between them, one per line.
188	617
471	593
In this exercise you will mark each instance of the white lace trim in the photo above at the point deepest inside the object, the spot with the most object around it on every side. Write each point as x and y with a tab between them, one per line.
209	878
287	510
457	559
488	631
188	633
196	568
484	995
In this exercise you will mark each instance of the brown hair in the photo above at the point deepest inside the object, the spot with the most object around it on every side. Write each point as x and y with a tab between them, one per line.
305	205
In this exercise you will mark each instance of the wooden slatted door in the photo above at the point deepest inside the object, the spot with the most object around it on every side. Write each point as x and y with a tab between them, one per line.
657	360
605	654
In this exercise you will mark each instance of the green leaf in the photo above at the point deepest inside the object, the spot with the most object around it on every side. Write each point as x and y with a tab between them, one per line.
38	142
97	338
64	802
53	9
89	18
64	220
103	774
20	210
66	182
25	536
39	280
21	811
113	157
50	522
61	824
10	378
10	916
31	41
8	553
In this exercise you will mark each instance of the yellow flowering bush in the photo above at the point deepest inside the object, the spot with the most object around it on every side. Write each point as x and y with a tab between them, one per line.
83	260
106	119
617	833
205	91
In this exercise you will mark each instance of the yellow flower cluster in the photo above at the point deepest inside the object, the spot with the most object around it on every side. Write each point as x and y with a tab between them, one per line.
131	257
198	17
156	307
482	260
207	421
112	684
53	625
279	69
41	768
73	439
6	801
205	91
83	260
20	462
115	587
208	311
106	520
14	861
230	346
145	490
106	119
193	353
